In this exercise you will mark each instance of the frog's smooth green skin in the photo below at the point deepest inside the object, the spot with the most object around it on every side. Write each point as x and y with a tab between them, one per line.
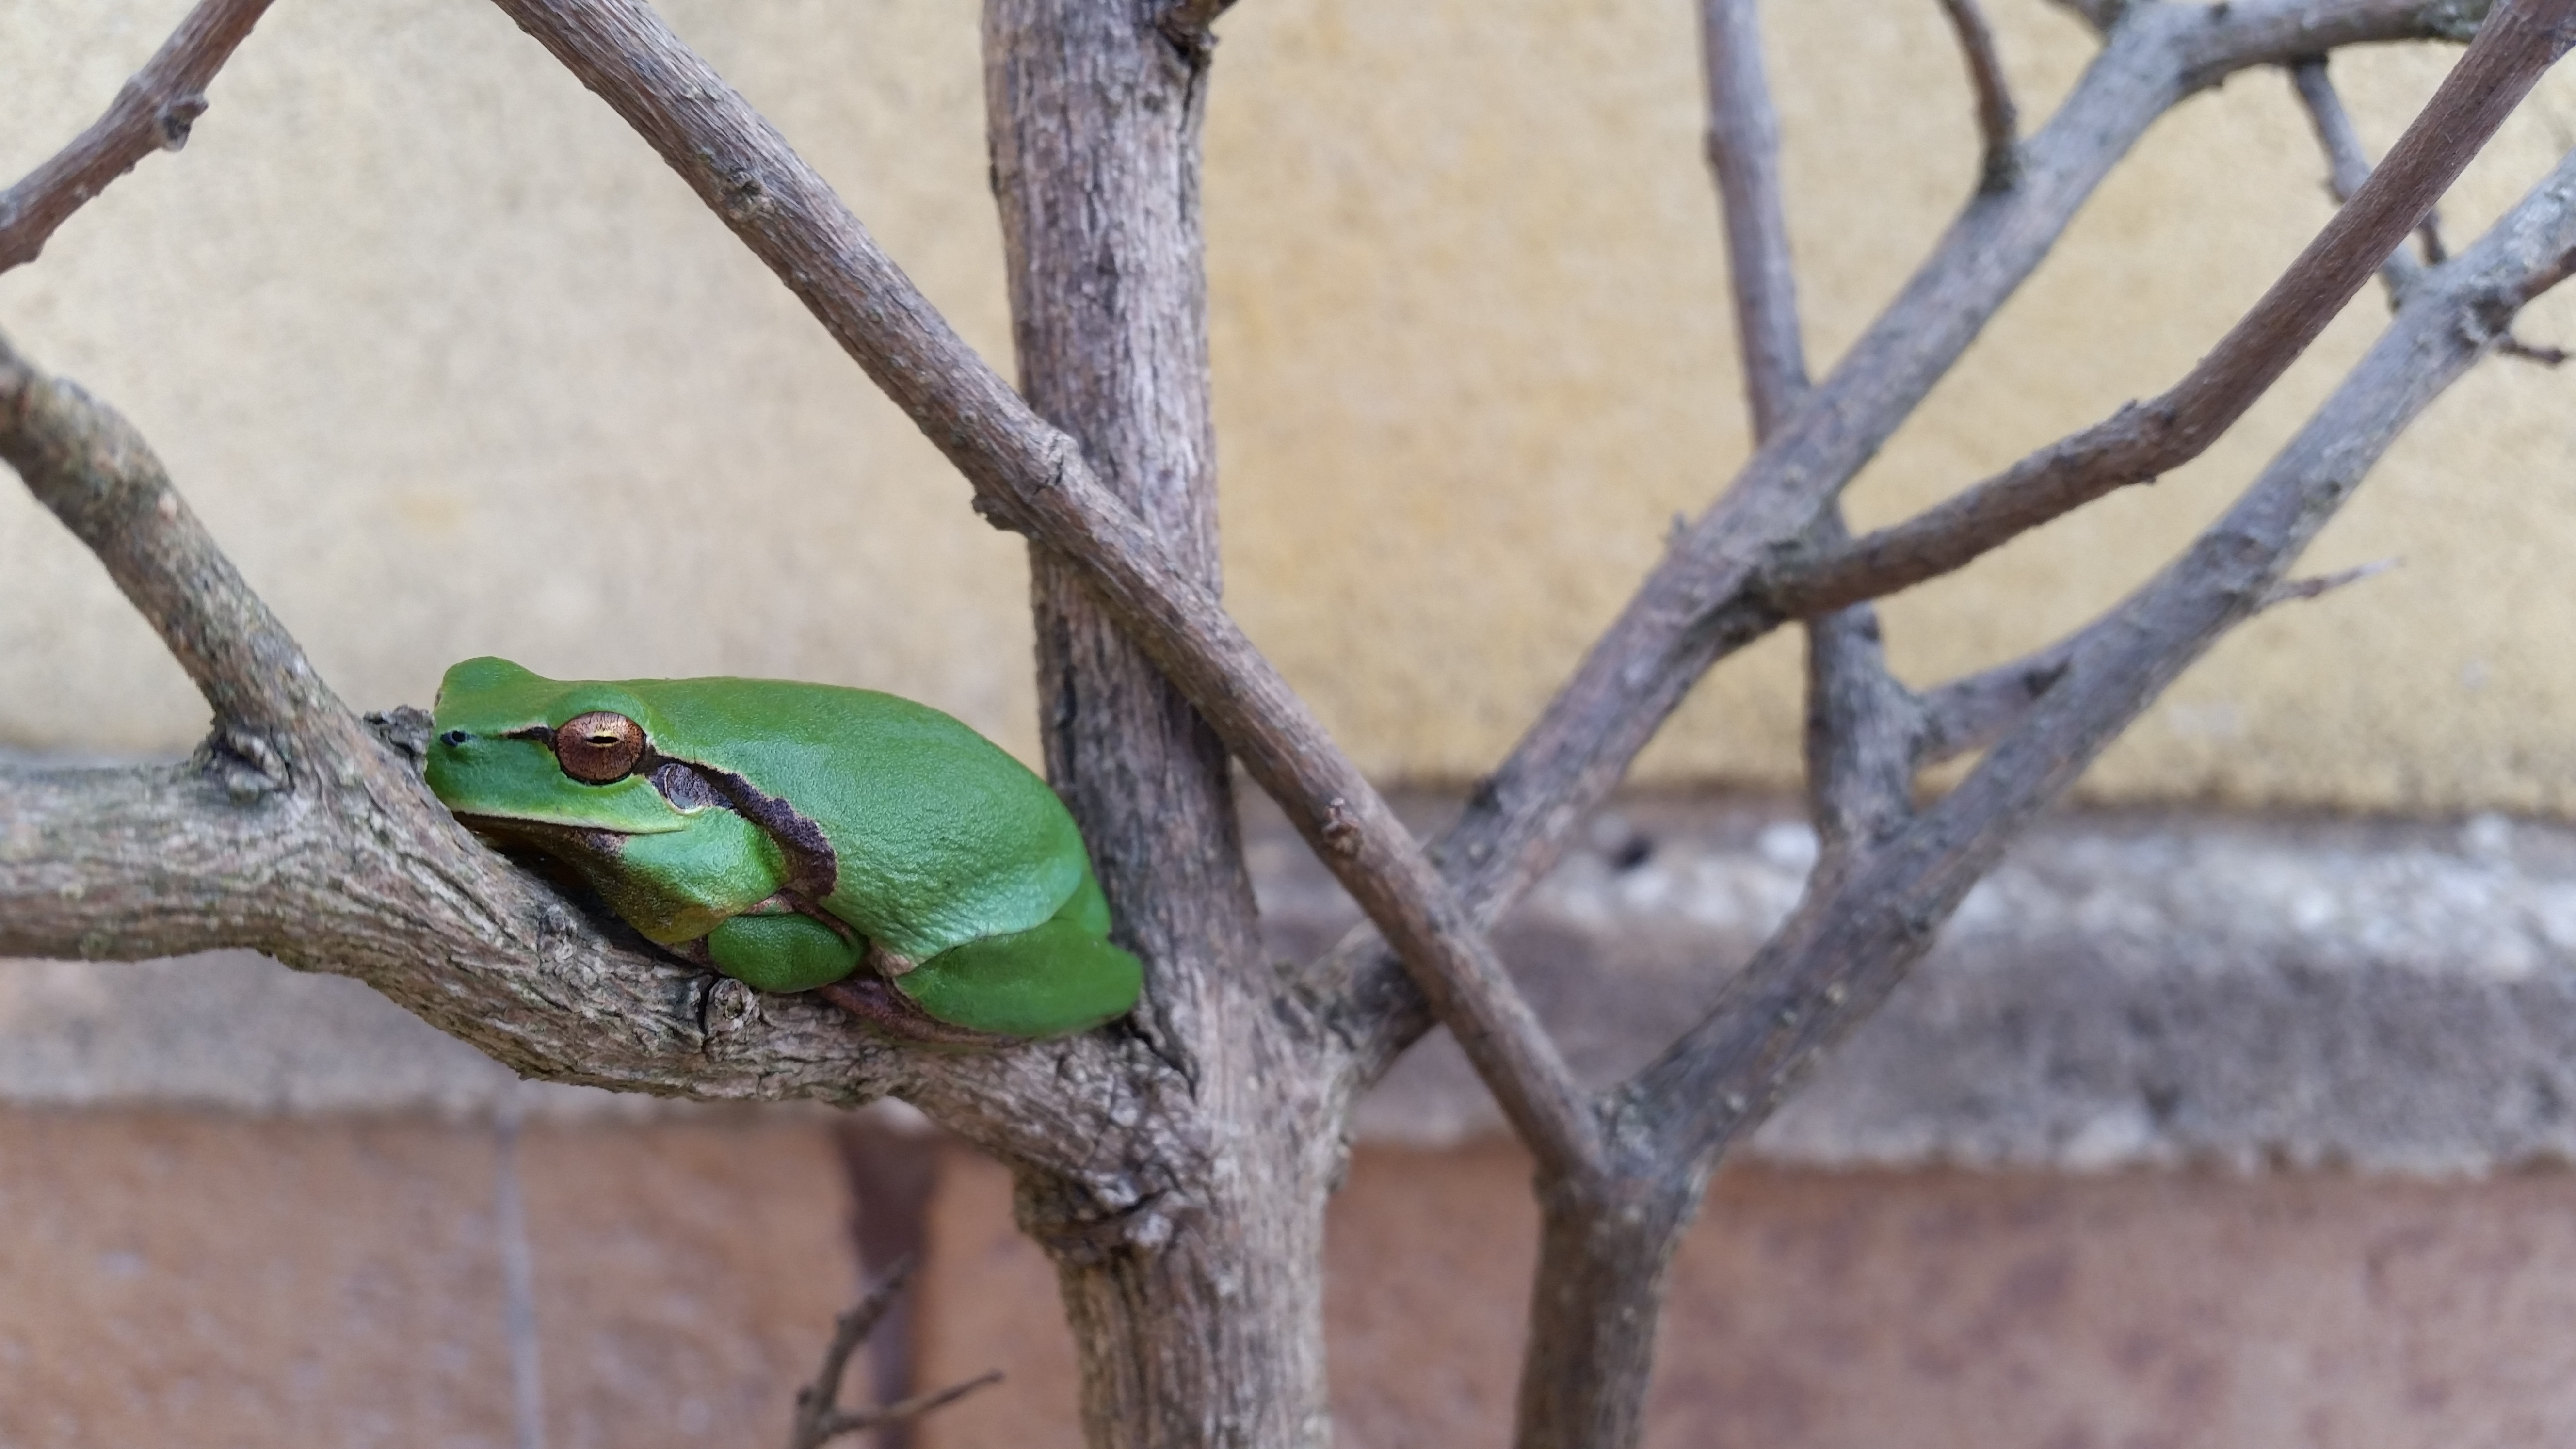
790	835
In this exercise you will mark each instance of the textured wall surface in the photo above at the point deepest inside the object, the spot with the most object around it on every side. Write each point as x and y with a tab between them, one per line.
1935	1310
189	1279
205	1280
454	367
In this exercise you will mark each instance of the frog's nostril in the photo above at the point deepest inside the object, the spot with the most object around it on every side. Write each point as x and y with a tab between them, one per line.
454	738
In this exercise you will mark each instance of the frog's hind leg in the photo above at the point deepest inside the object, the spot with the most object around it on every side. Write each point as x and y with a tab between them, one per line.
877	1002
1050	979
782	951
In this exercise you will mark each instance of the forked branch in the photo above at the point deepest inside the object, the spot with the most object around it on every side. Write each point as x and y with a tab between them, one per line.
1849	943
1698	605
1859	740
2515	48
152	112
819	1416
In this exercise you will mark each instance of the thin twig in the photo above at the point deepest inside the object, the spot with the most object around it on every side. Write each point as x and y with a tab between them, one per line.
1998	121
152	112
1029	477
2316	586
2348	166
1844	949
819	1415
818	1400
1744	153
853	1420
2513	50
1971	713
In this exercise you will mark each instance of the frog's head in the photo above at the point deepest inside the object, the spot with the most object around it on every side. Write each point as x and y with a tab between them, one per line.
510	746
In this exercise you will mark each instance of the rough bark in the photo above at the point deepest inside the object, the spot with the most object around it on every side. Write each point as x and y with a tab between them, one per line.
1210	1332
1605	1252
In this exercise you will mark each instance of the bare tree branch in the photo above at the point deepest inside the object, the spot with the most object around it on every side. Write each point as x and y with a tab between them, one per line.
820	1399
902	1410
2348	166
1744	154
1694	608
1997	118
1605	1241
1969	714
2517	45
1858	719
152	112
1846	946
1864	733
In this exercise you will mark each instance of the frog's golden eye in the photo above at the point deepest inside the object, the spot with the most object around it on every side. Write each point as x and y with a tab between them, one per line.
599	748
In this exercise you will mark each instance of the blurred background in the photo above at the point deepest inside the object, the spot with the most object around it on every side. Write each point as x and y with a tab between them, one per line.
2234	1109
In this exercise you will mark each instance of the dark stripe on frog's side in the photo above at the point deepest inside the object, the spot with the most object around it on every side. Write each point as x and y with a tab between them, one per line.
813	868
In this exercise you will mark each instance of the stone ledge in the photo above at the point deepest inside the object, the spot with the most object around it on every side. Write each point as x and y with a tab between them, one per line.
2127	989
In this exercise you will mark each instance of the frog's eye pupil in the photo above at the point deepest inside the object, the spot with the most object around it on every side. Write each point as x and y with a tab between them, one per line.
454	738
599	748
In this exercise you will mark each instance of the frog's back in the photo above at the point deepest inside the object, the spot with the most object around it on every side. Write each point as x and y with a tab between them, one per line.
940	836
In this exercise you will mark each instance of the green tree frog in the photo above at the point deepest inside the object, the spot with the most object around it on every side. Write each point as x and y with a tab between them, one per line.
797	836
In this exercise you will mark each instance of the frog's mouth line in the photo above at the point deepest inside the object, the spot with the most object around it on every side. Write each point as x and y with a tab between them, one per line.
509	831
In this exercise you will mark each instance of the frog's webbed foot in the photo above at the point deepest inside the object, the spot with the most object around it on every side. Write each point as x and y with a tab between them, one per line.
891	1014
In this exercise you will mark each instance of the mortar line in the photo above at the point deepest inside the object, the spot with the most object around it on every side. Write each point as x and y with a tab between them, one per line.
518	1279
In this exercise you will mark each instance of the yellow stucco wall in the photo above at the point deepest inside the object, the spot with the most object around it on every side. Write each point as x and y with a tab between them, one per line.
454	366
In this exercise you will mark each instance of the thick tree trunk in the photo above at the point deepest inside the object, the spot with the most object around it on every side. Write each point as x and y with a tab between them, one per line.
1198	1305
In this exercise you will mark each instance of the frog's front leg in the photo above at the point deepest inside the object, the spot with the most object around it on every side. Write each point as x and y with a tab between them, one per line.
786	951
782	951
